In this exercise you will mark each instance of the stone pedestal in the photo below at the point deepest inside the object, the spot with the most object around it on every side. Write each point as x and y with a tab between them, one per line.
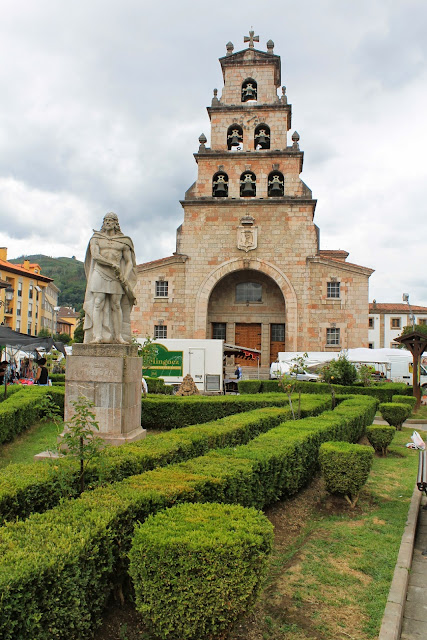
109	375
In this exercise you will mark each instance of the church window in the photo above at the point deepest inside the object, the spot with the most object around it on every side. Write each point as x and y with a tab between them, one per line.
249	90
160	331
248	185
235	138
262	137
333	289
277	332
276	184
162	287
248	292
332	336
218	330
220	185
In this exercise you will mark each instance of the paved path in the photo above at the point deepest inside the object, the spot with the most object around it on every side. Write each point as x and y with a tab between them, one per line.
405	616
414	623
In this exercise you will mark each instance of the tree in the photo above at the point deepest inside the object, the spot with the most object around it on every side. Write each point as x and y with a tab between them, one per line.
79	333
340	371
79	439
44	333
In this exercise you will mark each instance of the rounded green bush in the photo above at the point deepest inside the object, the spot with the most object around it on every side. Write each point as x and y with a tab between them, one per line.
380	437
395	413
197	567
345	468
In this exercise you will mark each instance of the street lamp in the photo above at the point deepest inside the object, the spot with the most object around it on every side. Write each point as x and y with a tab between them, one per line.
405	298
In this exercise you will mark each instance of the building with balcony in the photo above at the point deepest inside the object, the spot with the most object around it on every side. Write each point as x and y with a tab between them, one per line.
21	306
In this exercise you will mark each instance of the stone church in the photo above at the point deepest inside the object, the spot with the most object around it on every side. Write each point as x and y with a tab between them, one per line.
248	267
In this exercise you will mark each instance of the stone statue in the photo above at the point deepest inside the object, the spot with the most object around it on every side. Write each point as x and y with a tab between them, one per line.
110	268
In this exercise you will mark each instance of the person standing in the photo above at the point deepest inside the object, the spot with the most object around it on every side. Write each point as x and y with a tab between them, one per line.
42	375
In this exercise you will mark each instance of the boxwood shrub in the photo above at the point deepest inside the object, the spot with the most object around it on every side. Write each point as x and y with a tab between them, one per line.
380	436
411	400
27	488
395	413
345	468
383	391
20	409
164	412
57	569
157	385
197	567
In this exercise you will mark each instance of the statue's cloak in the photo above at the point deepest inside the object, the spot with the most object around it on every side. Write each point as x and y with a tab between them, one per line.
96	274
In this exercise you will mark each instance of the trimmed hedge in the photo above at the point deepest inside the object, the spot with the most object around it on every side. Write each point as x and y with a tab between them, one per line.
345	468
197	567
36	487
19	411
166	413
405	400
395	413
157	385
380	436
57	569
57	377
383	391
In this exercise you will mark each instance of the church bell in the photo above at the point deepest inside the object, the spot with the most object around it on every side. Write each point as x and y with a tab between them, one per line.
221	189
248	188
275	188
263	140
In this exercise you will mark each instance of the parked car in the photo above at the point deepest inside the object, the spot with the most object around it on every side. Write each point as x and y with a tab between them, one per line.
277	369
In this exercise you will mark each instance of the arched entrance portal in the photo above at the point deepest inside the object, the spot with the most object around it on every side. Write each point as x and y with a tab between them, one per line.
247	308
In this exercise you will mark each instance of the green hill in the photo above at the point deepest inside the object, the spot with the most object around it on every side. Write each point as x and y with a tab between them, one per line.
68	274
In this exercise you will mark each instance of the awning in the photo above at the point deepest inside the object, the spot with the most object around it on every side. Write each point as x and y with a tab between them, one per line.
242	352
24	342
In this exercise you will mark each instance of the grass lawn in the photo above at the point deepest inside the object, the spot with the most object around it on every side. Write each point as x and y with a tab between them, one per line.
39	437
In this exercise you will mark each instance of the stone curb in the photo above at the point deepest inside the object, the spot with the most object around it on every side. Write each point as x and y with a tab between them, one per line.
391	625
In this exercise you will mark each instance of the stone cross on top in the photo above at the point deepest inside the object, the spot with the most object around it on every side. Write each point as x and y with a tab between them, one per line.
251	39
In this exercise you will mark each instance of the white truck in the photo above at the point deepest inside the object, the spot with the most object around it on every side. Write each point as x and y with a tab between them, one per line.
395	364
174	358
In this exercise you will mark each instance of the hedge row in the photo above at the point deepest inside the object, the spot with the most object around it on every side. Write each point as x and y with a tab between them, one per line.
383	391
57	377
36	487
57	569
165	412
20	410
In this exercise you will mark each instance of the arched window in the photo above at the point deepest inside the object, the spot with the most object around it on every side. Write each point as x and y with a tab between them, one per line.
248	292
249	90
276	185
248	184
220	185
235	137
262	137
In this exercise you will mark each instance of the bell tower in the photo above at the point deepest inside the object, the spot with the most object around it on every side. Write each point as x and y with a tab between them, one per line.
248	267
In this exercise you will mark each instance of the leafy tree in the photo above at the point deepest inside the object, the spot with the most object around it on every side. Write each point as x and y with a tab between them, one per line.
79	439
44	333
340	371
365	374
79	333
62	337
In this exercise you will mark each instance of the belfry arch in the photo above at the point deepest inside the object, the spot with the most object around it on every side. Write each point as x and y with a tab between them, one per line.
242	298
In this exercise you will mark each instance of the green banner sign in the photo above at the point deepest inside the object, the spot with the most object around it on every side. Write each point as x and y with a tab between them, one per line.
161	362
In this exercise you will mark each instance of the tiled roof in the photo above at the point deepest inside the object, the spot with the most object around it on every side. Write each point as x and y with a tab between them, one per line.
394	307
17	268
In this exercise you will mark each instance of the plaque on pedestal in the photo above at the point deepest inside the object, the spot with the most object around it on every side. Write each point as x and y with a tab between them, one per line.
109	375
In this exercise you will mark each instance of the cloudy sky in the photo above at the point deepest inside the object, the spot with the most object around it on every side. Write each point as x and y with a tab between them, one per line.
102	104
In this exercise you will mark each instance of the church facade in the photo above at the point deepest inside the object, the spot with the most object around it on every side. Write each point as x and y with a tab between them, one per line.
248	267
